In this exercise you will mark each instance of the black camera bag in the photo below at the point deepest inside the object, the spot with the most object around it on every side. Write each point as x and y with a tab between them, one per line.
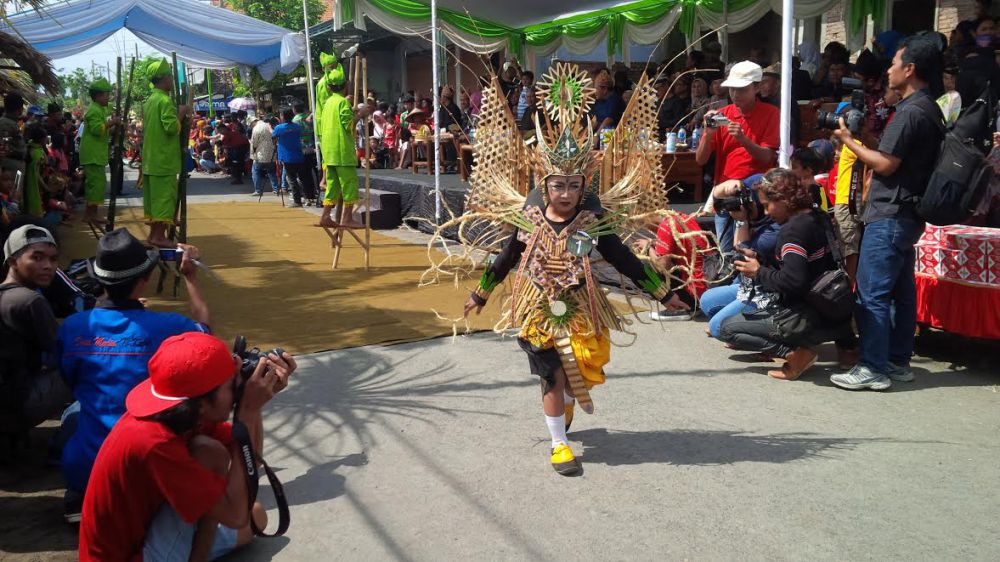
831	294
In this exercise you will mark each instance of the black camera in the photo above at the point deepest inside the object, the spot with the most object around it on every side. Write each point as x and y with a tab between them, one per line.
249	358
853	116
742	200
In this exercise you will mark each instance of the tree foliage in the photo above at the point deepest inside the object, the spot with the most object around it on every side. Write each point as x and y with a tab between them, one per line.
286	13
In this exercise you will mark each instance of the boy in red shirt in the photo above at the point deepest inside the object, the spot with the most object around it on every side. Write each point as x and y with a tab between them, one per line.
169	482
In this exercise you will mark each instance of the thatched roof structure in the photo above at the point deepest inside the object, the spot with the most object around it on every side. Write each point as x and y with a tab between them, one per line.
22	67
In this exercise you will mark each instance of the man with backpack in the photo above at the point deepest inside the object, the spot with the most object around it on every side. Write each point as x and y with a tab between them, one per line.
902	166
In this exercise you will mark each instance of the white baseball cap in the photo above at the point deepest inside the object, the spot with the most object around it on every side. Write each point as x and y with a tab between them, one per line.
742	74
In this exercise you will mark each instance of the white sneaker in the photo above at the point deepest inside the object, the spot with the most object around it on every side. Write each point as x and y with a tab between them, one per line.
861	378
670	315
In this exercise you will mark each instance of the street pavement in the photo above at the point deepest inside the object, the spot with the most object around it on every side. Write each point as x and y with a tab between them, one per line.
438	451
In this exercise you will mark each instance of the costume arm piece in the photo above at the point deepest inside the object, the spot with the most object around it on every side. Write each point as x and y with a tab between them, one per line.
643	275
168	118
508	257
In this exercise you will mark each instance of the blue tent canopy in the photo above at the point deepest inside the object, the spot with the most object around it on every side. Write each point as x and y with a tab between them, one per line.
203	36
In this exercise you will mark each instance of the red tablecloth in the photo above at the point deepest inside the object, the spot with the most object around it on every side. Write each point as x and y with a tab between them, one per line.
958	280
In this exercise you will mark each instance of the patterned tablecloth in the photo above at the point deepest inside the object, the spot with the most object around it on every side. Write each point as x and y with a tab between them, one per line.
958	280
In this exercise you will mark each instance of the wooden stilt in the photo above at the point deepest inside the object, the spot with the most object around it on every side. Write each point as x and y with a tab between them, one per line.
368	179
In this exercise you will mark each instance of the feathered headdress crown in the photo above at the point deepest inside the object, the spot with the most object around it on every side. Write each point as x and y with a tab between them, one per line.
565	139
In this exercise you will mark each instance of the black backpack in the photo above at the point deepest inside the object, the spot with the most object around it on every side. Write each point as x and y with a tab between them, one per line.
961	174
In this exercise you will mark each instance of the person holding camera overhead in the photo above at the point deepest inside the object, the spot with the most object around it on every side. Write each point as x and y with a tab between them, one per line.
801	256
743	135
104	351
170	482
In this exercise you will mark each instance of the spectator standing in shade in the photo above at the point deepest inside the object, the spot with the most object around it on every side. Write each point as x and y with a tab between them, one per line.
608	108
263	152
770	92
290	153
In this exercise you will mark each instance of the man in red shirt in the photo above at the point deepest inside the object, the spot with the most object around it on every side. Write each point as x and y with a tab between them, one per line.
746	144
169	481
237	147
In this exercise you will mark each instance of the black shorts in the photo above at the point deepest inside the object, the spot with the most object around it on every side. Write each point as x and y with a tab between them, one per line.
542	362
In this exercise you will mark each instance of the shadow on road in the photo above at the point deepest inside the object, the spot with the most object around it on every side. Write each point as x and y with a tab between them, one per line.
703	448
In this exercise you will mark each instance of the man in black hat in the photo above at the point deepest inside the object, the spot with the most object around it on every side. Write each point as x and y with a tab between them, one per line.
104	351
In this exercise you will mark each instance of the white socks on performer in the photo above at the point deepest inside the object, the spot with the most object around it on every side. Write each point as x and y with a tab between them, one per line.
557	429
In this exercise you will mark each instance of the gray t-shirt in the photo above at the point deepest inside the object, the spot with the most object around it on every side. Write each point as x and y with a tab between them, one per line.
912	136
27	326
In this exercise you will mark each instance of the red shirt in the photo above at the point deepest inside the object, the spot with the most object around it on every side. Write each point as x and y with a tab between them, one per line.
141	465
761	125
681	247
234	139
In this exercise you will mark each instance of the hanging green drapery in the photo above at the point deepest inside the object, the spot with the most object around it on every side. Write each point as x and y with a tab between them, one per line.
861	9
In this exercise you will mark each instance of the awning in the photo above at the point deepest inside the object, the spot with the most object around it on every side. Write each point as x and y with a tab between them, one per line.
202	35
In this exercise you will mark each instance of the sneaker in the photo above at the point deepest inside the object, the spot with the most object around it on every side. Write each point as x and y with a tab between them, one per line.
900	373
72	507
563	460
861	378
255	194
669	315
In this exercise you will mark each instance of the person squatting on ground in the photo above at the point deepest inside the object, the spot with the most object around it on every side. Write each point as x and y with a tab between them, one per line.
104	351
563	317
336	141
169	483
161	157
902	166
98	122
801	257
746	144
30	389
754	231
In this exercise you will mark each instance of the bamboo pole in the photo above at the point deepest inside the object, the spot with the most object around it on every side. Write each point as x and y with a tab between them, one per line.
368	179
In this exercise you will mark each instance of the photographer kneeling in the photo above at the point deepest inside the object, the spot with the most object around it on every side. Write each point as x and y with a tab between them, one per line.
755	231
104	352
170	482
789	327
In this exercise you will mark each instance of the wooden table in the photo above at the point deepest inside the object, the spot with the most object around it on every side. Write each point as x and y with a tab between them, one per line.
680	167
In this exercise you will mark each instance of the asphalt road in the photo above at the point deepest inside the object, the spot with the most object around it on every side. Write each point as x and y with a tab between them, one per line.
438	451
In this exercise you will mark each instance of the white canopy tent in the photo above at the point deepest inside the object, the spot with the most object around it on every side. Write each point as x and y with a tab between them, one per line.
518	14
202	35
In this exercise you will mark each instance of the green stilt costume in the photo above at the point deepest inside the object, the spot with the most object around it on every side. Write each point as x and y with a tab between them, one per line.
336	140
323	87
94	145
161	156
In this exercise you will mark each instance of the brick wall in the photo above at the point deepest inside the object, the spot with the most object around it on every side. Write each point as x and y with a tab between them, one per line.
950	12
834	26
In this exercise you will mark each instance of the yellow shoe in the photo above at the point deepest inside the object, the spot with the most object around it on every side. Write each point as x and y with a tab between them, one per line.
568	408
563	460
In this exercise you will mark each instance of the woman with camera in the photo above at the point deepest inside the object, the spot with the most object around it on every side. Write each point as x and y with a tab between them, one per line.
755	231
789	327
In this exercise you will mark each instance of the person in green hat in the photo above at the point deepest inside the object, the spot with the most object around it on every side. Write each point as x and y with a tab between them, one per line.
97	124
336	142
161	153
328	63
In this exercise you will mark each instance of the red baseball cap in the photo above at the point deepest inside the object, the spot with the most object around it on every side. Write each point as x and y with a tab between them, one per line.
185	366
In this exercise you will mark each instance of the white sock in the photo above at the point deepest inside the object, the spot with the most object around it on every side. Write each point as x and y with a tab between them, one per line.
567	398
557	429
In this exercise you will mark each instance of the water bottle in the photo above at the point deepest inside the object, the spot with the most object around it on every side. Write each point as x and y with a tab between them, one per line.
672	142
682	136
695	137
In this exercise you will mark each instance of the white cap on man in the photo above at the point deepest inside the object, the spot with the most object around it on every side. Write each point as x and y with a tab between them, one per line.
742	74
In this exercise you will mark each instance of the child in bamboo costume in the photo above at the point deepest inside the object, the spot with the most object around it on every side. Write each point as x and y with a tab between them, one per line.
97	124
562	316
336	142
161	153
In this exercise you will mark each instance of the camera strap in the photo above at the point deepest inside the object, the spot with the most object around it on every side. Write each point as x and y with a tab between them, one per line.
854	199
250	461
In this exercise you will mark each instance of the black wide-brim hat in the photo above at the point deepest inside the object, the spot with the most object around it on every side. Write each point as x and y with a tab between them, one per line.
121	258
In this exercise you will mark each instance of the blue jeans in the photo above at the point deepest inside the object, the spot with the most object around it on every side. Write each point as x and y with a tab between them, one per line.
887	294
170	538
725	231
719	303
258	173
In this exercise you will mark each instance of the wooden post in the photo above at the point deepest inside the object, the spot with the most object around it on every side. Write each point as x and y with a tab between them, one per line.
368	179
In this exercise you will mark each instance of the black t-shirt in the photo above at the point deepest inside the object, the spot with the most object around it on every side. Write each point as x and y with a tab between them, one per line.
913	137
27	328
801	256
